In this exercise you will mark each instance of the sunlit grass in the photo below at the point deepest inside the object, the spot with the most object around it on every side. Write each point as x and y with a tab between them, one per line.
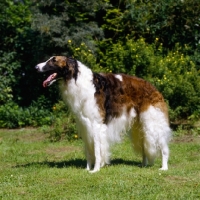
31	167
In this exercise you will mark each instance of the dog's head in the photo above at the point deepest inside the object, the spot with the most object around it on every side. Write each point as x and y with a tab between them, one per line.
60	67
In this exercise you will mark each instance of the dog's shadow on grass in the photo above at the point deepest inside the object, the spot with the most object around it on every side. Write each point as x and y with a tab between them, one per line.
77	163
119	161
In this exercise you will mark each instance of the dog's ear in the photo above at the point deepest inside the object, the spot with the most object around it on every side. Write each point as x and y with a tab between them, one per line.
71	63
72	66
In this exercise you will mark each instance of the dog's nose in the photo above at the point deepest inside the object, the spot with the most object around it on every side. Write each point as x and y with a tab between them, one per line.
36	67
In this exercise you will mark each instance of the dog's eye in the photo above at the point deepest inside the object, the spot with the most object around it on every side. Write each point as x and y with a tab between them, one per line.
54	59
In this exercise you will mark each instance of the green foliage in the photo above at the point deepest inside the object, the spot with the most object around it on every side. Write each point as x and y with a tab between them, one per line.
13	116
172	21
57	122
8	65
63	126
84	54
180	83
14	17
59	22
113	25
20	46
131	58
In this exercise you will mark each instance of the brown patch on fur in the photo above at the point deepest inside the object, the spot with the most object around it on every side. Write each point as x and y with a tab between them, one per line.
113	95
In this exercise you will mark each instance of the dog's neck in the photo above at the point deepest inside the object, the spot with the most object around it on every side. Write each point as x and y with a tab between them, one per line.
75	92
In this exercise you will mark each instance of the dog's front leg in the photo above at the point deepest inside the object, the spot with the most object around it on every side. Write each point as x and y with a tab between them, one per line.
97	134
90	158
86	135
97	153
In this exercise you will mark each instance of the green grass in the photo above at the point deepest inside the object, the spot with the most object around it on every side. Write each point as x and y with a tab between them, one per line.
31	167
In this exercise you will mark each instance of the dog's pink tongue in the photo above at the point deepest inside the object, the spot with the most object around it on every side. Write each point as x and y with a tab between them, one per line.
48	80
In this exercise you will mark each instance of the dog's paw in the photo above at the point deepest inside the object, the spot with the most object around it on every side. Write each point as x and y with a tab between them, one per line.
141	165
164	168
88	167
94	171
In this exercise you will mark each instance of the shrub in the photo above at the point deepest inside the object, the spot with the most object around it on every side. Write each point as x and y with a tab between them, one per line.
57	122
131	57
179	82
13	116
8	79
172	21
84	54
63	126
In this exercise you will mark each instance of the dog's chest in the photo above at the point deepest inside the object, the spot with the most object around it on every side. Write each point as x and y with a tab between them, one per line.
79	96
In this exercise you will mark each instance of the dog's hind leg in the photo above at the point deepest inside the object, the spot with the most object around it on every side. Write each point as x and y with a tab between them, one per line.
144	159
157	134
165	155
105	151
137	139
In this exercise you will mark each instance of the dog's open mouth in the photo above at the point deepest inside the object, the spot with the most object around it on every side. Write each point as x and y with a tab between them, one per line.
50	80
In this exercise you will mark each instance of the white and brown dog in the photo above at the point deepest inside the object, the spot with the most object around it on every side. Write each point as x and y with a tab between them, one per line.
106	106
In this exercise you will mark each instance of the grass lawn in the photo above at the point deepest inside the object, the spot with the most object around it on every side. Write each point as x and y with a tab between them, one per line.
31	167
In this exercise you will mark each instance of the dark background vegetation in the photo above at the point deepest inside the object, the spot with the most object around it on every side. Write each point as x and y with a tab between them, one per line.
158	40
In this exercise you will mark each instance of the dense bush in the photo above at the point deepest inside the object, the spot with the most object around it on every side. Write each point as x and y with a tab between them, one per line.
7	76
84	54
172	21
13	116
63	126
57	122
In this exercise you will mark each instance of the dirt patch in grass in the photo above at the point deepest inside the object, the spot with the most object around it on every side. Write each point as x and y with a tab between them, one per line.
57	150
23	134
177	179
186	139
33	137
59	153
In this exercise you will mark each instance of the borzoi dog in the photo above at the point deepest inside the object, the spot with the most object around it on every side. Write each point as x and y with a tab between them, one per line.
106	106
